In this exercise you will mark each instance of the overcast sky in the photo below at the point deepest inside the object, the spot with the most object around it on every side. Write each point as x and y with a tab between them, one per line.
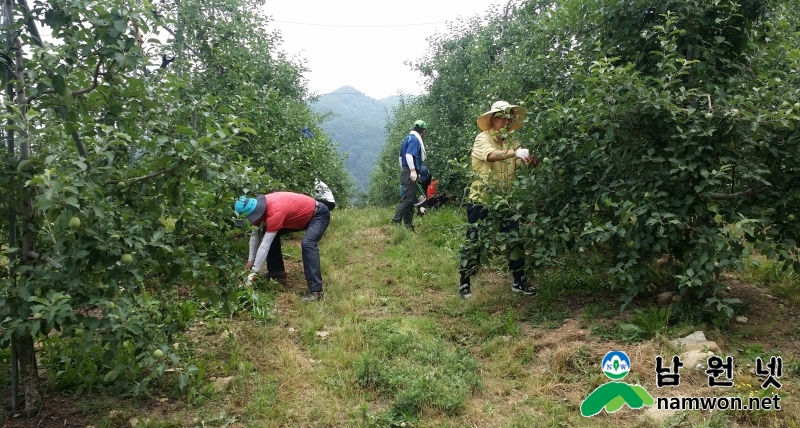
363	43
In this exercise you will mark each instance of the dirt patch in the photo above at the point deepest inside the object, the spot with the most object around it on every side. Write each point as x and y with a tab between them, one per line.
63	410
569	331
766	319
57	411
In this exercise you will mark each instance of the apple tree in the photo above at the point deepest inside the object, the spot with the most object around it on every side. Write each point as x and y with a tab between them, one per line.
120	181
668	129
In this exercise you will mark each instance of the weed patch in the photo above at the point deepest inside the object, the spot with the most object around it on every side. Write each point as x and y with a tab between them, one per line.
416	368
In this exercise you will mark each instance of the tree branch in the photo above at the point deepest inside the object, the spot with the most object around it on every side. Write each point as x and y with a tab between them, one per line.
171	31
79	144
94	79
732	196
149	176
9	70
34	255
708	97
74	93
29	22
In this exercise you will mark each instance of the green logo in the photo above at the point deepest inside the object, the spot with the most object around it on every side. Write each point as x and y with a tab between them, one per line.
613	395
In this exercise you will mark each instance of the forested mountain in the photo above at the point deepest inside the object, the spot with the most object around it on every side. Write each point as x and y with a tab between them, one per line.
358	124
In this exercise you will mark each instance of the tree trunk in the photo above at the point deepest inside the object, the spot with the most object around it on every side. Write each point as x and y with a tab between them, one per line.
26	354
28	374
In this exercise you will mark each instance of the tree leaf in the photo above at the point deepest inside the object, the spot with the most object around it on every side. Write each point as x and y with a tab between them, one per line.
59	84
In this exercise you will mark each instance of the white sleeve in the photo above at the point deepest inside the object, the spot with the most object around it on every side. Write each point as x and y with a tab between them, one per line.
410	160
254	239
253	245
261	254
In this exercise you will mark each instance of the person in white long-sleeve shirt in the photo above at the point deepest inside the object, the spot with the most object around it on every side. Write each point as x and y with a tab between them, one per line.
286	212
324	194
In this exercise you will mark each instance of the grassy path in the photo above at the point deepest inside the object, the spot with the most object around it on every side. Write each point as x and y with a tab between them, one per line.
393	345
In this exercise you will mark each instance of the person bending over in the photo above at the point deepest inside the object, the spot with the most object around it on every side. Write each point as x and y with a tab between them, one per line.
286	212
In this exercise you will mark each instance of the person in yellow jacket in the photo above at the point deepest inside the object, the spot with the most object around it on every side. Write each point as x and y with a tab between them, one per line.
495	160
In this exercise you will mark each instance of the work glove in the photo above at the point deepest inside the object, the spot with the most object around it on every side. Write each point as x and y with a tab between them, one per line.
414	175
250	277
523	154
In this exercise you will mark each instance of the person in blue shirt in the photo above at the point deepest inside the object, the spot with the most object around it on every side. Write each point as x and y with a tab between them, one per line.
412	154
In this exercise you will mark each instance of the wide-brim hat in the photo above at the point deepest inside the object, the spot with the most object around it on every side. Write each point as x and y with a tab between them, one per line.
517	115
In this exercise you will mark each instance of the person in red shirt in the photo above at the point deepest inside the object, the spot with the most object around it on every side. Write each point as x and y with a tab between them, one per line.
431	190
286	212
430	197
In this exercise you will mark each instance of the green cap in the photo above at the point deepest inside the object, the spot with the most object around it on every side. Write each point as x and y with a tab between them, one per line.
420	124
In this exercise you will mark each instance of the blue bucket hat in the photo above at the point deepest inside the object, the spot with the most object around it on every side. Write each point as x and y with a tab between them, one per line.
253	208
244	205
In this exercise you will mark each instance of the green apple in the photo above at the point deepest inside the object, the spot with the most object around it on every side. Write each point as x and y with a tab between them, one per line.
545	160
180	250
126	259
790	217
540	232
74	223
158	354
709	115
121	185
